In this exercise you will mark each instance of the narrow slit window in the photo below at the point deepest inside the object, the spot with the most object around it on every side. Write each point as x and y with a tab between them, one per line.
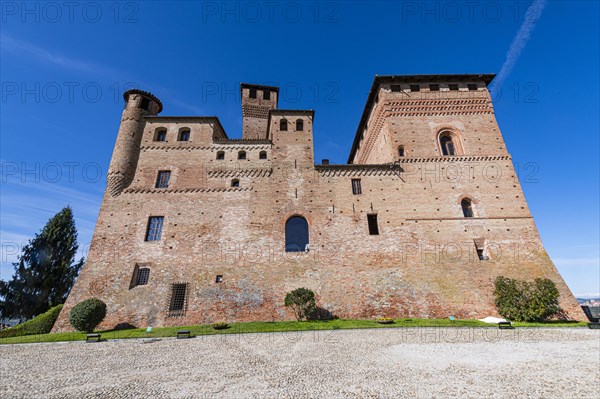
154	231
162	180
356	187
401	151
178	299
373	226
447	145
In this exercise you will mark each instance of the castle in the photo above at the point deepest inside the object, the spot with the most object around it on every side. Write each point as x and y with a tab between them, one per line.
196	227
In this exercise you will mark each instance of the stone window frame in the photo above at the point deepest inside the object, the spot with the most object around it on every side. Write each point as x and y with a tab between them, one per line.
455	137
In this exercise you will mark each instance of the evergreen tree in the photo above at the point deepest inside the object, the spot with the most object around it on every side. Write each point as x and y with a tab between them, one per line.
45	272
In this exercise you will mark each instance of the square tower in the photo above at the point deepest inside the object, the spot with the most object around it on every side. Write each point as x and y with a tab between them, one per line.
257	101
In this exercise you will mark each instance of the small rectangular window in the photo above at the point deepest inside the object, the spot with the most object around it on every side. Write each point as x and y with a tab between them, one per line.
252	93
161	135
178	299
434	87
184	135
373	226
266	95
356	188
415	88
162	180
453	86
472	86
219	278
154	231
145	104
396	88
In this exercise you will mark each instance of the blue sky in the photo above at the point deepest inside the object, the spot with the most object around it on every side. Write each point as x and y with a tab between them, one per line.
63	71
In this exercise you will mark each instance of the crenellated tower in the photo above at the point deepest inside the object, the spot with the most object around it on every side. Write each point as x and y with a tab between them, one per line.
257	101
125	156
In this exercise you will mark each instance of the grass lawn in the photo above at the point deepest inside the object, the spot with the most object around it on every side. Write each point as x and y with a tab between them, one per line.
276	326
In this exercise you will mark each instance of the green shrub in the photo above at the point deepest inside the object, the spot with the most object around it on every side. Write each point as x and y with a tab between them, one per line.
302	302
41	324
526	301
219	325
86	315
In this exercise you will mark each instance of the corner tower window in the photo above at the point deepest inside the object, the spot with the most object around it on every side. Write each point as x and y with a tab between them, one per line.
299	125
283	125
447	145
162	180
467	208
161	135
296	234
184	135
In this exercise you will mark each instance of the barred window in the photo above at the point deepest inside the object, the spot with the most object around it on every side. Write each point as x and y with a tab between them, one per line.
162	180
154	231
140	276
356	188
177	302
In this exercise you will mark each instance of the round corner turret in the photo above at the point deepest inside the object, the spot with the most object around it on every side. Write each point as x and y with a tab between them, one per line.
143	100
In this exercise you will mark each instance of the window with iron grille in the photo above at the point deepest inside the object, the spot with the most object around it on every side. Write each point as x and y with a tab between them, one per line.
177	302
143	276
162	179
373	227
356	188
154	230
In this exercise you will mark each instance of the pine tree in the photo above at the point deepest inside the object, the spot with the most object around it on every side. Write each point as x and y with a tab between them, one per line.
45	272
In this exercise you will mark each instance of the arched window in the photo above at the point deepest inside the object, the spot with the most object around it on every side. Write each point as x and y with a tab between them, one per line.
299	125
184	135
220	155
447	144
235	183
467	208
283	125
296	234
242	155
160	135
262	155
401	151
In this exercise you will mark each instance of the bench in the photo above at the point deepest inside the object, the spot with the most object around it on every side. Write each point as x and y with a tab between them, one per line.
594	326
95	337
183	334
505	325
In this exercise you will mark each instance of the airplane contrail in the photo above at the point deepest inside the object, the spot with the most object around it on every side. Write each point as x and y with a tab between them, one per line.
532	16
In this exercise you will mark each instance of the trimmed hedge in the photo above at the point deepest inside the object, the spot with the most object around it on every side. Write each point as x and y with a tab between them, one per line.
86	315
519	300
41	324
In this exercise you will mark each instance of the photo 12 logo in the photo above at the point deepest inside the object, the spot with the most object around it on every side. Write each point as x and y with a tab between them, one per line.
270	12
71	12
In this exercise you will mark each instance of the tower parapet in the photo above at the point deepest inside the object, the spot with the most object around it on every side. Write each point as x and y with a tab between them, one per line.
138	103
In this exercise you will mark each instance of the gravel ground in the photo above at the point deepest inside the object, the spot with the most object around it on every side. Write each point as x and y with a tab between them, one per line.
382	363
